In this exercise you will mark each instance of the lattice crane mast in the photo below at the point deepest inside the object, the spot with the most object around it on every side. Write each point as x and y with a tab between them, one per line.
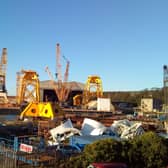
58	64
61	88
66	75
3	64
51	78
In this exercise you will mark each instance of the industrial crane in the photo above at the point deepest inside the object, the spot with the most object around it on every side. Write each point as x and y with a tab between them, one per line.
93	89
51	79
58	64
66	70
28	89
3	64
61	87
28	97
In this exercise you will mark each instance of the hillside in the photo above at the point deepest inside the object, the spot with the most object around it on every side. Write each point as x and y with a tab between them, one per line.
135	96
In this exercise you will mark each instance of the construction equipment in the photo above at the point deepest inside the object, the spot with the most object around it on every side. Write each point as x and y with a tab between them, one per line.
93	89
28	89
41	110
28	96
66	70
52	81
3	64
61	86
77	100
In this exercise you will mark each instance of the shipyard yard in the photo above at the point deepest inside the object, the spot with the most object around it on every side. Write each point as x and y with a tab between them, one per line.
48	123
83	84
42	142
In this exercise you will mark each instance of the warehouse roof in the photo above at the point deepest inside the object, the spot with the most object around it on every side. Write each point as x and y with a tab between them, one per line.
73	85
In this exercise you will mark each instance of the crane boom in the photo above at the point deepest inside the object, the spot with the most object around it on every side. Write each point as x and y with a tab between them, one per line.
66	72
3	62
58	64
49	73
61	88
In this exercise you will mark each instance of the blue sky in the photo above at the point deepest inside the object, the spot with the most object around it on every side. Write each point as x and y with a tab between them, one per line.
125	42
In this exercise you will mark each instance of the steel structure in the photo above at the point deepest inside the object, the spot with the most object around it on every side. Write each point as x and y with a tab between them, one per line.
165	87
28	89
3	65
66	71
58	64
61	85
53	83
38	109
93	89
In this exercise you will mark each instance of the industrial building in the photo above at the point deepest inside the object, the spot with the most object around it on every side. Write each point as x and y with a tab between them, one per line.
47	92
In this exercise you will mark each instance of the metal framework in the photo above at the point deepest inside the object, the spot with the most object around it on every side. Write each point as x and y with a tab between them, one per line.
61	86
3	65
28	89
58	64
165	87
93	89
66	72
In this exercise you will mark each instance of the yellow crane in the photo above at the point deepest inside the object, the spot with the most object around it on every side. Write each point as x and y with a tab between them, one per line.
93	89
28	89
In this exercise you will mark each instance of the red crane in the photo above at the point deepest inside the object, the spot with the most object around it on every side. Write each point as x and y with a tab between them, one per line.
61	86
58	64
66	70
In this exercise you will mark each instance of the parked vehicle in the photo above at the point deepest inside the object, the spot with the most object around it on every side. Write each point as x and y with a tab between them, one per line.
107	165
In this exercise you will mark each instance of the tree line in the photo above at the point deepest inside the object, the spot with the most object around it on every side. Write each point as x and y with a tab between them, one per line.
135	96
148	151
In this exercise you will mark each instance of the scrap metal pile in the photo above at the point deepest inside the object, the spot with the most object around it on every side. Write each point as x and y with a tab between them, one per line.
121	129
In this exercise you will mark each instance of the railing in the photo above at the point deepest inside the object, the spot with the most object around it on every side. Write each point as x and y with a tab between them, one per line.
12	157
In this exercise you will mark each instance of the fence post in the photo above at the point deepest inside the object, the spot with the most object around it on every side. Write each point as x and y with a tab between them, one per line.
16	144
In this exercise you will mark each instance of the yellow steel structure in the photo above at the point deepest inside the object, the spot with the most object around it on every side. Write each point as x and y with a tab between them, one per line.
77	100
41	109
28	89
37	110
93	89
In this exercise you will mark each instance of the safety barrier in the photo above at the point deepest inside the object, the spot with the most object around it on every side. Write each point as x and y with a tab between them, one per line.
17	152
8	157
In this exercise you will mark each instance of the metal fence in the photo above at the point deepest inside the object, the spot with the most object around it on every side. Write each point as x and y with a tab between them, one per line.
8	157
12	157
